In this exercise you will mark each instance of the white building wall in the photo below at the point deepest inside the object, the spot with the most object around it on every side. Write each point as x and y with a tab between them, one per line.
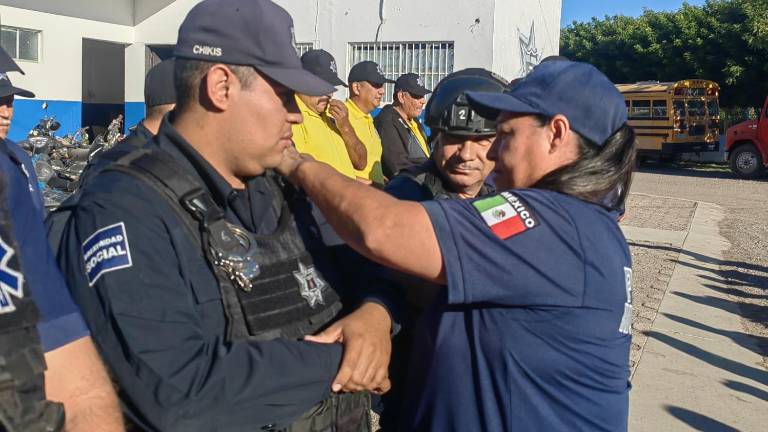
58	74
469	24
524	32
485	33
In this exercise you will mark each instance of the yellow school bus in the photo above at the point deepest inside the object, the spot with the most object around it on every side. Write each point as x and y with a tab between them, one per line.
674	117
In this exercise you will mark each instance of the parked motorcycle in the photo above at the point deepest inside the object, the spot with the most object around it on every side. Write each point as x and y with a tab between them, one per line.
59	161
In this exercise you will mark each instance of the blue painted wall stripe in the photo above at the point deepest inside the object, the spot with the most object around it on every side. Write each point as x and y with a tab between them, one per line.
27	112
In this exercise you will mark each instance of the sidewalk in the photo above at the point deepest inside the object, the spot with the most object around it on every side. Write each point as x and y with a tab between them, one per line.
697	369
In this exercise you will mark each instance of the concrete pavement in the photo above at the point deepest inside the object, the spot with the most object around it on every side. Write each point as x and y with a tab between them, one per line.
697	370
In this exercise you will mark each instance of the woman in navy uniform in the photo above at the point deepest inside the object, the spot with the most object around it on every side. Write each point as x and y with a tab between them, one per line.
532	330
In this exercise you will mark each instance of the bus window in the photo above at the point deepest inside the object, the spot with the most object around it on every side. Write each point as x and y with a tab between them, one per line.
626	102
712	108
679	107
659	109
696	108
640	108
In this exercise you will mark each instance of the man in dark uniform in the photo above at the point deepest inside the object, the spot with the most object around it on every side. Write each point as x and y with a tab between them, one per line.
40	324
200	272
403	139
159	98
8	92
457	168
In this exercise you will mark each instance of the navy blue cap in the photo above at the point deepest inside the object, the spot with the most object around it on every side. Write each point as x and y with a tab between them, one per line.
413	84
580	92
7	89
158	85
321	63
256	33
367	71
7	64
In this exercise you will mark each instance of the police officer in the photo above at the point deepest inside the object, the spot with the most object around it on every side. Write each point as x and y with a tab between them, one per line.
457	168
532	330
159	99
33	294
403	139
8	92
200	271
461	138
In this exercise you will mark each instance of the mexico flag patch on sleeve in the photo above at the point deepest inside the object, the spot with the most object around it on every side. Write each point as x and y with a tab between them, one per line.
506	215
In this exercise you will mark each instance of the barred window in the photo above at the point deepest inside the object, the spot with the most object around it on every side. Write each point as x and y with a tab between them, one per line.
21	44
302	47
430	60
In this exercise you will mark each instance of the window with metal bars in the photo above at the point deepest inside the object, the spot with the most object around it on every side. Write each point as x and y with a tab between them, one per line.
21	44
430	60
302	47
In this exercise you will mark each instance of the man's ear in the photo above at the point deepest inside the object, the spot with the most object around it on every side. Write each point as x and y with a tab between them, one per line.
218	85
354	89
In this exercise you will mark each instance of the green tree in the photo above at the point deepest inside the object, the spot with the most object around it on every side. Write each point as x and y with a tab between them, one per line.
724	40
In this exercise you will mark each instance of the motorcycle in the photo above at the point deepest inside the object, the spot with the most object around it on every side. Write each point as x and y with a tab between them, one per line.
60	161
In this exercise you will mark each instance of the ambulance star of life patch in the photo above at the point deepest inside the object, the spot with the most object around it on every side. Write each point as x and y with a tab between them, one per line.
106	250
506	214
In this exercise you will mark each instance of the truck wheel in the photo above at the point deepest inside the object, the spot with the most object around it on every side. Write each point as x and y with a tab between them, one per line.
746	162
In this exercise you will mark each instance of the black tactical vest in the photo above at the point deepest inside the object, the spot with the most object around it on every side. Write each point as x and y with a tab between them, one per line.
288	298
22	393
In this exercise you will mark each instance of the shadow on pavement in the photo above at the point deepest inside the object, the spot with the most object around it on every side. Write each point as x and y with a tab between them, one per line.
756	344
702	258
732	291
697	421
759	376
757	281
747	389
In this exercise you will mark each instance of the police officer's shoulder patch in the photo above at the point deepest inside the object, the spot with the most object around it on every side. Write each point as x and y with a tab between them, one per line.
506	214
11	278
106	250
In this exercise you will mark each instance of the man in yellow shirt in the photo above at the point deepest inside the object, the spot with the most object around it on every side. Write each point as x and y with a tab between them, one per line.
403	140
326	132
366	88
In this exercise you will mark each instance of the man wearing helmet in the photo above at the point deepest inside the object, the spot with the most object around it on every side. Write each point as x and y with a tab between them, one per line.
460	138
457	168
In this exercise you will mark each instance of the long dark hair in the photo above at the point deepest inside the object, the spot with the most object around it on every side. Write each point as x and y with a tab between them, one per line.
598	171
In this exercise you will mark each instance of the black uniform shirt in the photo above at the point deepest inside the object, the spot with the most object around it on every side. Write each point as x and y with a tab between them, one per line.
157	315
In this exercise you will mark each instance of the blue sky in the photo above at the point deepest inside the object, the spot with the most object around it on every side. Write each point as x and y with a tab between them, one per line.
584	10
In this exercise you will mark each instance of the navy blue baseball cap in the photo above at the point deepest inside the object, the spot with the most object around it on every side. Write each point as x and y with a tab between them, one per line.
580	92
7	64
158	84
256	33
367	71
321	63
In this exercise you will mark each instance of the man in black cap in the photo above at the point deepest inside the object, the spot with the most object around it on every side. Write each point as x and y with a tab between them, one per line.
326	132
159	99
403	140
8	93
366	88
202	272
40	325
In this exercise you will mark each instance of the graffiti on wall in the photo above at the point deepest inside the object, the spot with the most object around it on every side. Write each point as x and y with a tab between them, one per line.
530	55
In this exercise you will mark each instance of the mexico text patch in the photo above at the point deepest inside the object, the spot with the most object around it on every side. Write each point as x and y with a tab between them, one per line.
106	250
506	214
